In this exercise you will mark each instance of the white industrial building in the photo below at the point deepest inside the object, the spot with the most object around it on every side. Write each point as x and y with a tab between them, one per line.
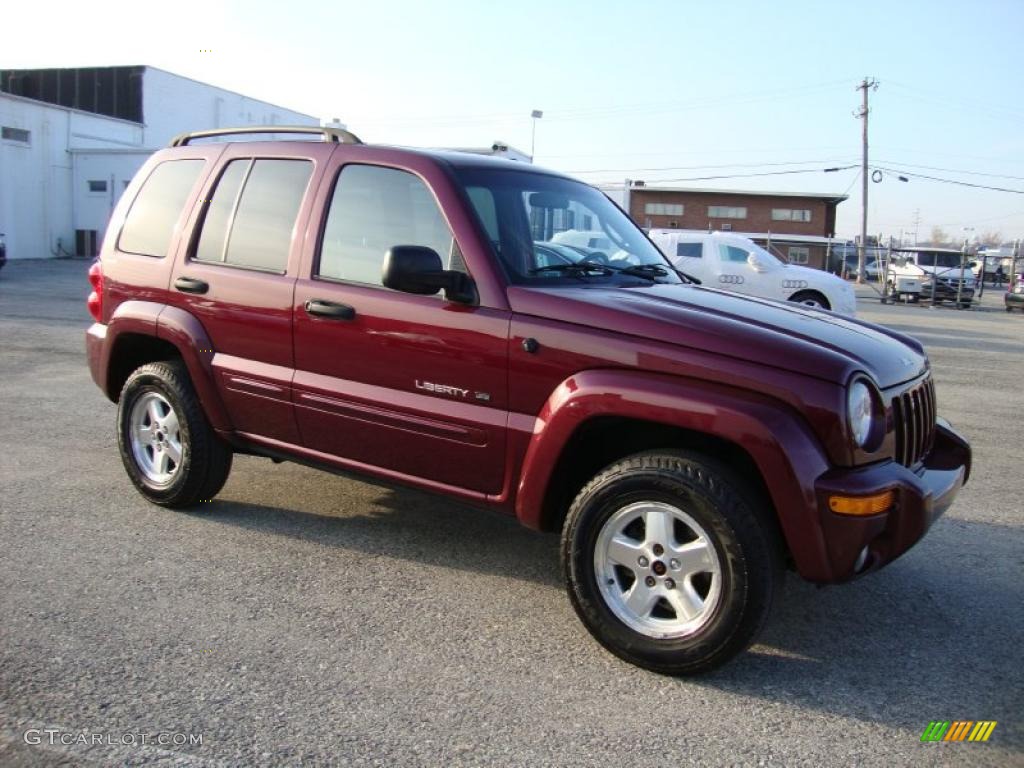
71	140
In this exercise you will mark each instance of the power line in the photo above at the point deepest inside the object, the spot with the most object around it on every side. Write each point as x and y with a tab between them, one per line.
955	170
701	167
948	181
742	175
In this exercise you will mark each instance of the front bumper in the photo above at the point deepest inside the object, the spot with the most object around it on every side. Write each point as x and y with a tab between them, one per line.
922	496
945	292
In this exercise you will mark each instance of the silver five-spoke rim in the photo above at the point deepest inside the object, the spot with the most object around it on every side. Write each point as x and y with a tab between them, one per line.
658	570
155	438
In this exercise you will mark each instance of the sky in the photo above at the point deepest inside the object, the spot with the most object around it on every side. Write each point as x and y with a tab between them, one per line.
643	89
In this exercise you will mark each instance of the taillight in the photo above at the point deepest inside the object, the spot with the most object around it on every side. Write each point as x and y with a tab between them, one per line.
95	300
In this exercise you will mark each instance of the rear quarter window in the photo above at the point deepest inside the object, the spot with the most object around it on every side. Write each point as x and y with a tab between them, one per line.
150	222
690	250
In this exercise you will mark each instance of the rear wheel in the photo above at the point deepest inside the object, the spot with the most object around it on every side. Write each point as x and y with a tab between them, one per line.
811	299
670	562
170	451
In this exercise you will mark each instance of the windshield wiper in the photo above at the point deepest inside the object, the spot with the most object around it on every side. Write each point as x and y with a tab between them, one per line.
650	271
578	269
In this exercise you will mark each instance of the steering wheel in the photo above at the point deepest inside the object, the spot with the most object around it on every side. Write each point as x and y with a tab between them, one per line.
595	257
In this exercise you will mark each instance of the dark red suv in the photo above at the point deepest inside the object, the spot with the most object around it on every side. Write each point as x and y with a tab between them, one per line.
431	318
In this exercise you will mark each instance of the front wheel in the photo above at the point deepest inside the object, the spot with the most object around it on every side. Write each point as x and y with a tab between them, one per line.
171	453
811	299
670	561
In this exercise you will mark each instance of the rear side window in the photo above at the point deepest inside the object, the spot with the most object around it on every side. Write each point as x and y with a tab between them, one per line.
250	218
690	250
374	209
150	222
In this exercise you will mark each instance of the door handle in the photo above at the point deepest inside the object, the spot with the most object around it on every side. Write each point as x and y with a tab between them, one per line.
330	309
191	285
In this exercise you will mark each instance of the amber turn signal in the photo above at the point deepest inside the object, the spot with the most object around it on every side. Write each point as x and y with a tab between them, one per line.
862	505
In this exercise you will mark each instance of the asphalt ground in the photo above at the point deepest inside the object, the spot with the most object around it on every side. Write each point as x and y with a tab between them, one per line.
303	618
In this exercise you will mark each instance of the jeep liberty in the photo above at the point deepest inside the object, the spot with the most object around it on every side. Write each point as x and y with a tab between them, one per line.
410	315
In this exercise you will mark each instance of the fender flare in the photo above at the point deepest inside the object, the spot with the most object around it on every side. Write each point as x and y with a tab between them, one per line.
181	329
781	444
184	331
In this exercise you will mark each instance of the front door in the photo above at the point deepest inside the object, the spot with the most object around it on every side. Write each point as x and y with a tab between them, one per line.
412	385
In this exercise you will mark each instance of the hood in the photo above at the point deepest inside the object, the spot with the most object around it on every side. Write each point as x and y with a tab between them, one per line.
779	334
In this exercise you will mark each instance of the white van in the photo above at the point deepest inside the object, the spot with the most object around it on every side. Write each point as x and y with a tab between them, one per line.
736	263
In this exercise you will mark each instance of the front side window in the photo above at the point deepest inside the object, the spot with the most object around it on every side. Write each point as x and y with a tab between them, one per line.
733	254
727	212
554	230
372	210
251	216
150	222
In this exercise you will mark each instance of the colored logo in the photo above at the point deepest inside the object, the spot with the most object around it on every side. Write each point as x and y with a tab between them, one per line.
958	730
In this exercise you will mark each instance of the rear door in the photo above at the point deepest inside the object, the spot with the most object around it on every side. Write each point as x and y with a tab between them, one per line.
408	385
238	276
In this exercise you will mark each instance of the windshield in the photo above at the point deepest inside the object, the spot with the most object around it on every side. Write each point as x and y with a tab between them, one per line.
940	260
549	229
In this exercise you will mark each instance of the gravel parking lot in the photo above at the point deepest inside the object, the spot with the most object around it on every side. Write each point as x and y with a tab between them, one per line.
304	618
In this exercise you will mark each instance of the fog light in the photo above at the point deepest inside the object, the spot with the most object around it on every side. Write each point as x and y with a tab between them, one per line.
861	505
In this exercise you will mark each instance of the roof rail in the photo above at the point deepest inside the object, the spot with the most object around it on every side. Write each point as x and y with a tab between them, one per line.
334	135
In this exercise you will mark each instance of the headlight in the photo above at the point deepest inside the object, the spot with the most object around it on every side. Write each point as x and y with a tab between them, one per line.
860	411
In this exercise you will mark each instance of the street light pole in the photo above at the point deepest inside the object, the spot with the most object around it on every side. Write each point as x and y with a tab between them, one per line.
536	114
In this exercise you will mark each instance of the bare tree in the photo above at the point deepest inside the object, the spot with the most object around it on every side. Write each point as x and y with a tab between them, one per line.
939	237
993	238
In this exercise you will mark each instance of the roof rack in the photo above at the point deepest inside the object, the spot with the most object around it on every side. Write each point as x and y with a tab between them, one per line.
334	135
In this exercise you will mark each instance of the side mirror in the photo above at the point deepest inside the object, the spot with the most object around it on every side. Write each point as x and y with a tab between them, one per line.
418	269
758	263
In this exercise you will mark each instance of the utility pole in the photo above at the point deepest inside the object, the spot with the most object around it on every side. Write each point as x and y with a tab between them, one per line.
868	83
535	115
917	223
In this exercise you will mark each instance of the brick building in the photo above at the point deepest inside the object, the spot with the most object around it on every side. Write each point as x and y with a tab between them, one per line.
796	225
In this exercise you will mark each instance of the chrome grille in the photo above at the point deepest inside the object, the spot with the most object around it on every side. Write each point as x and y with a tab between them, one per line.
913	411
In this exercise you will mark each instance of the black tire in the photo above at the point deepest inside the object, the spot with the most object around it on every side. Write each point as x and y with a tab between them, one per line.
205	458
807	296
744	535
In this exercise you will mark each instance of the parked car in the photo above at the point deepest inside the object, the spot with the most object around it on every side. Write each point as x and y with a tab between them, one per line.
736	263
941	272
844	259
385	311
871	267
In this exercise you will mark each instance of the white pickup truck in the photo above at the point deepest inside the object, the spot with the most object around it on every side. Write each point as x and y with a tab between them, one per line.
736	263
942	273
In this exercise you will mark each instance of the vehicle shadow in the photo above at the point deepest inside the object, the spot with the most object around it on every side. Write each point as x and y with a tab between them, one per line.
404	524
930	637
